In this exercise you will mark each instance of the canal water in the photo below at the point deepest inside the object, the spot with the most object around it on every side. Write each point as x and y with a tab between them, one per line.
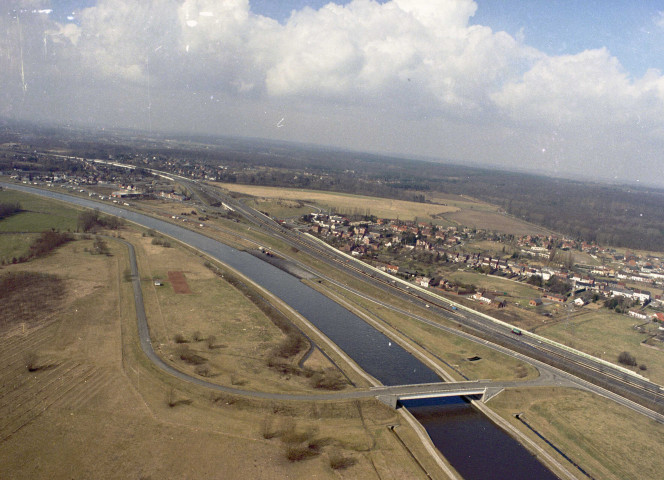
474	445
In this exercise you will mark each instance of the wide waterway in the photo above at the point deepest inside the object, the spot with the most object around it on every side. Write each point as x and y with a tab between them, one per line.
474	445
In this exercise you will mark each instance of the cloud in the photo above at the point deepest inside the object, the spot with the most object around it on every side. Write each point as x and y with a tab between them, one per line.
419	65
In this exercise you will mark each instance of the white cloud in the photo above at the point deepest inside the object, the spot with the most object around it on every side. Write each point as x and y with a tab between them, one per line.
417	61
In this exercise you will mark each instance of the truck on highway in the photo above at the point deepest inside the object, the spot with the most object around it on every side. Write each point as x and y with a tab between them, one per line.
516	331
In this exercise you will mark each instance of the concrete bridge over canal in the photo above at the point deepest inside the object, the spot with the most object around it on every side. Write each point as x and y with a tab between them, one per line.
393	395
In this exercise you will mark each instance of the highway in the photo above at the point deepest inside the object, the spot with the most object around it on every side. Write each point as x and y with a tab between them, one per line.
639	394
594	374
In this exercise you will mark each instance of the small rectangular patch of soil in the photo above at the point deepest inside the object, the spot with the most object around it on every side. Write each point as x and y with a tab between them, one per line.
179	282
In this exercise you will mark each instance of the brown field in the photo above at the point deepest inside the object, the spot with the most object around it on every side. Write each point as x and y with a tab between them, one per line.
346	203
96	408
178	282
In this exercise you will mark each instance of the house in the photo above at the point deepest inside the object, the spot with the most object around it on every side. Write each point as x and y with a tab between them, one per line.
641	295
640	314
425	281
579	302
535	302
393	269
489	299
555	297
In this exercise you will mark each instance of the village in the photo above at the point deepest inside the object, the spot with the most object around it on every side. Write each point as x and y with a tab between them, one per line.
425	254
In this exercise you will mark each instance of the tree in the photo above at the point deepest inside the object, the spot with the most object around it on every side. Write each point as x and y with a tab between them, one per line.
88	220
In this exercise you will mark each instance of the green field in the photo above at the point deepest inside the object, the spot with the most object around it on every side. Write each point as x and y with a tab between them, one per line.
14	245
39	214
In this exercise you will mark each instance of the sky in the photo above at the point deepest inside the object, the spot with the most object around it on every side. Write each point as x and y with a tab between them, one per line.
564	88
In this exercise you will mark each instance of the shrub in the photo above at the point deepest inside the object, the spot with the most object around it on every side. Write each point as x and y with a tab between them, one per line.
627	358
643	367
179	338
203	370
291	345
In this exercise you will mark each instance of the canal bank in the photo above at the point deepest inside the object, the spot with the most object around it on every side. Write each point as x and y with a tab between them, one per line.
371	349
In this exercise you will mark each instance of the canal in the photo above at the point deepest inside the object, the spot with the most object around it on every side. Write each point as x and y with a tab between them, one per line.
474	445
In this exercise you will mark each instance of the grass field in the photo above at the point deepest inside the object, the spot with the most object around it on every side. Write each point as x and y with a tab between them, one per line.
98	408
14	245
518	292
38	215
608	441
346	203
605	335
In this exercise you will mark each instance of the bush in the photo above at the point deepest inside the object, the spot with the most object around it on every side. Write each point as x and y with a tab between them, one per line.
339	462
328	380
179	338
161	241
173	401
203	370
47	242
9	209
32	362
190	357
297	453
627	358
643	367
291	345
267	428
